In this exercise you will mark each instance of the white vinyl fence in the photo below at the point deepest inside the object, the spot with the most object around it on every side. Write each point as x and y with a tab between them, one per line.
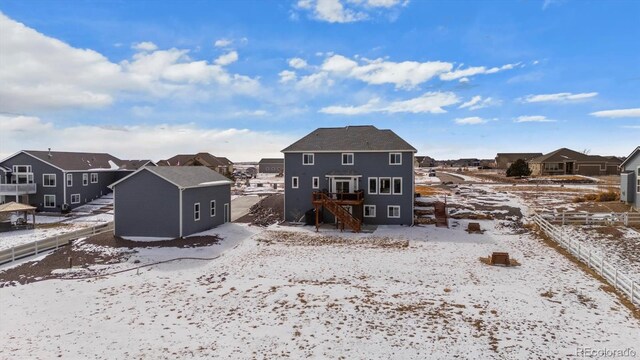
54	242
586	218
595	261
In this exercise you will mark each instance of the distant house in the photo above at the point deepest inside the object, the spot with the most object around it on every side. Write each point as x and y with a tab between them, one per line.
251	171
568	162
466	163
424	161
170	201
351	175
271	166
221	165
630	179
504	160
55	180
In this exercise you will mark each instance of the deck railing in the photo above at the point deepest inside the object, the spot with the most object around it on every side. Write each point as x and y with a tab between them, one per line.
17	189
339	196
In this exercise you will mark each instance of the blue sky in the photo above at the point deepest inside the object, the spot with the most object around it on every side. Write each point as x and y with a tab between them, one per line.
242	79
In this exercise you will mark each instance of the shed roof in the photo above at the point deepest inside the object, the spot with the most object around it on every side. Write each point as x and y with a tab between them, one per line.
271	161
350	138
184	176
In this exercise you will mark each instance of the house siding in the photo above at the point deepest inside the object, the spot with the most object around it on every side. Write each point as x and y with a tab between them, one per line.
38	168
631	167
367	164
146	205
203	195
271	168
93	190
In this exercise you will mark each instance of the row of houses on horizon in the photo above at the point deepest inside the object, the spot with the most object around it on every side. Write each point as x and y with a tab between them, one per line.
351	175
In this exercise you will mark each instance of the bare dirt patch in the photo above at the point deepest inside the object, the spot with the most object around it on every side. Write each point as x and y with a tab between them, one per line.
305	239
102	249
267	211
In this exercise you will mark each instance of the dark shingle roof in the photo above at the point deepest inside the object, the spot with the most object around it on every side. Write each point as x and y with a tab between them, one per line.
350	138
516	156
271	161
77	160
565	154
134	164
176	160
187	176
202	157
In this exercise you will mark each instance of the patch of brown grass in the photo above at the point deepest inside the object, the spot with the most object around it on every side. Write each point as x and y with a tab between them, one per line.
487	261
603	196
425	190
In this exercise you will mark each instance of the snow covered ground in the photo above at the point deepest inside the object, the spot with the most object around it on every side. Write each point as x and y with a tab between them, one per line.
401	292
79	218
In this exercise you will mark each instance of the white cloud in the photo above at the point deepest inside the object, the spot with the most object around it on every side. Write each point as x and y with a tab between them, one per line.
532	118
287	76
473	120
153	141
558	97
340	11
42	73
145	46
477	102
297	63
250	113
619	113
314	82
222	43
227	58
431	102
472	71
407	74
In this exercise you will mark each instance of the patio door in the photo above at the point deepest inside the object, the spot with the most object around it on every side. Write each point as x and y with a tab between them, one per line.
343	186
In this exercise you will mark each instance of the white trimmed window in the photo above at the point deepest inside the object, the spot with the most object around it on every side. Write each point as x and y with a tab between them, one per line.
373	185
393	211
94	178
397	186
385	186
315	182
294	182
69	180
307	159
85	179
395	159
196	211
213	208
49	201
347	159
75	198
369	211
49	180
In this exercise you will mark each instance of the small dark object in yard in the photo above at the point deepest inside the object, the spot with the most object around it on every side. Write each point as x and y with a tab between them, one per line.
474	228
136	261
500	258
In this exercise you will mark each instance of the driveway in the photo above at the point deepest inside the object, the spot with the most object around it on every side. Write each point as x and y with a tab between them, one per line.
240	206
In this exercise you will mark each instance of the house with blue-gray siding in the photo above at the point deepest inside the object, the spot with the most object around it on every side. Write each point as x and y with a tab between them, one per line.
630	179
55	181
350	175
170	201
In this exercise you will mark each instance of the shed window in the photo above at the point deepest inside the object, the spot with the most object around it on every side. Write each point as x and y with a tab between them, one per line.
213	208
196	211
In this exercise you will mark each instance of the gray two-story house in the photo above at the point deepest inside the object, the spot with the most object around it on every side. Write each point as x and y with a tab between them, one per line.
630	179
350	175
55	181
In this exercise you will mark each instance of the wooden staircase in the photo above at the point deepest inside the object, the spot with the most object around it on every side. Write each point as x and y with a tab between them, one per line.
343	216
441	214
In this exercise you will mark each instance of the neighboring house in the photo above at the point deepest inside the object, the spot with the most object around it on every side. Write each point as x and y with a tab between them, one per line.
504	160
170	201
568	162
466	163
425	161
135	164
353	174
630	179
251	171
271	166
221	165
56	180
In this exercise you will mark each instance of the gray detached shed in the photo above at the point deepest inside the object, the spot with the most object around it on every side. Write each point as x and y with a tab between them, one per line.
170	201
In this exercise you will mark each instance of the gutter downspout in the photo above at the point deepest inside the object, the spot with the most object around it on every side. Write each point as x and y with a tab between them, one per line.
64	188
180	210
